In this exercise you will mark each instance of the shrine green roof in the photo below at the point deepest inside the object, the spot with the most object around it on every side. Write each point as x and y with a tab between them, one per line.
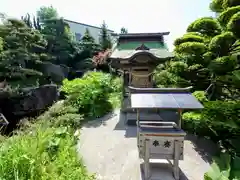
130	45
134	44
128	54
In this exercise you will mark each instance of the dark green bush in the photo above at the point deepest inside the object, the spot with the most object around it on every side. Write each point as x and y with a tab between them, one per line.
226	15
233	24
218	120
62	114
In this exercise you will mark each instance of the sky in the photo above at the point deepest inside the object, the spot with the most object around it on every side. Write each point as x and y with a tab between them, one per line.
137	16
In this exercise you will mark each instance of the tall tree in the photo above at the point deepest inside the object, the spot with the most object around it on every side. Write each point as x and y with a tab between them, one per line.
208	53
87	37
47	13
105	39
21	51
123	30
88	48
60	41
31	22
27	20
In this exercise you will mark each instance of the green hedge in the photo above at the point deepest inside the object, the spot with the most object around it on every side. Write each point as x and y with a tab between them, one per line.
91	93
218	120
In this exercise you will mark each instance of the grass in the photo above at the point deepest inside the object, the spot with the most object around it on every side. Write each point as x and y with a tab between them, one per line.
43	151
46	148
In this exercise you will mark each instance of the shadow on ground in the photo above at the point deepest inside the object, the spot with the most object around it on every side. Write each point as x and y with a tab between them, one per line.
161	171
205	147
96	122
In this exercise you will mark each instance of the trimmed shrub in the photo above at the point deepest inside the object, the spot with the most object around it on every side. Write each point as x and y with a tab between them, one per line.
219	120
90	95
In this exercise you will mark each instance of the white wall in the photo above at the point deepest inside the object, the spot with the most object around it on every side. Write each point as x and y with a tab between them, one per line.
81	28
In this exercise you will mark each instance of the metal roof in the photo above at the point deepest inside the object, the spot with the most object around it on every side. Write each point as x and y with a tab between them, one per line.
128	54
142	34
165	100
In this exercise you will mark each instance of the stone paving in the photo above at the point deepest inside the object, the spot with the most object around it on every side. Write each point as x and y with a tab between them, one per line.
109	149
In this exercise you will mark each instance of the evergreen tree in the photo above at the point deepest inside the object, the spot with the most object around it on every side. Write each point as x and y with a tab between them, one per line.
22	49
208	54
105	40
87	37
89	48
47	13
123	30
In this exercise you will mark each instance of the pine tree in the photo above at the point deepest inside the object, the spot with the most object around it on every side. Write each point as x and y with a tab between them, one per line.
123	30
105	40
21	51
87	37
60	42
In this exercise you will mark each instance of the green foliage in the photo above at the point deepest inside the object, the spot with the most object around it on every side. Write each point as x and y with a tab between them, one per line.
23	48
61	44
206	26
223	65
224	167
62	114
218	120
1	44
192	123
233	24
123	30
221	44
177	67
191	48
104	39
189	37
217	6
165	78
47	13
226	15
90	93
201	96
230	3
88	48
45	149
220	169
87	37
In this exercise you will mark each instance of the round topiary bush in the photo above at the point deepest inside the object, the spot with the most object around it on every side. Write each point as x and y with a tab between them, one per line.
233	25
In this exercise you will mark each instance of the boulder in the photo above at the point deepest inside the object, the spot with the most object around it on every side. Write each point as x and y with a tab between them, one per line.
30	102
36	99
56	72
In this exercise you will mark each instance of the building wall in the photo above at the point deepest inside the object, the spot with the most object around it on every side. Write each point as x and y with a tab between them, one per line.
78	29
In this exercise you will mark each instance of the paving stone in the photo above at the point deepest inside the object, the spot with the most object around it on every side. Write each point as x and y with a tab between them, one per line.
109	149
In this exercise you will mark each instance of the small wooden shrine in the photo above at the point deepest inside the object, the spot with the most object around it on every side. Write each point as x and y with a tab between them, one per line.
137	54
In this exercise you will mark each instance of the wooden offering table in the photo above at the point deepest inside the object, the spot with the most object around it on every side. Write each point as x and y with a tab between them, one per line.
163	139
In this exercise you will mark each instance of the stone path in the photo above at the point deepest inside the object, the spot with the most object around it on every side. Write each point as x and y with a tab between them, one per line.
109	149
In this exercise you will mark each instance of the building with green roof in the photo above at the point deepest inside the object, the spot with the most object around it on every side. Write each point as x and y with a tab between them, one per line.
136	55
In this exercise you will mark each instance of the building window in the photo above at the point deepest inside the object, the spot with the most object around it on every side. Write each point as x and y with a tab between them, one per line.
78	36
